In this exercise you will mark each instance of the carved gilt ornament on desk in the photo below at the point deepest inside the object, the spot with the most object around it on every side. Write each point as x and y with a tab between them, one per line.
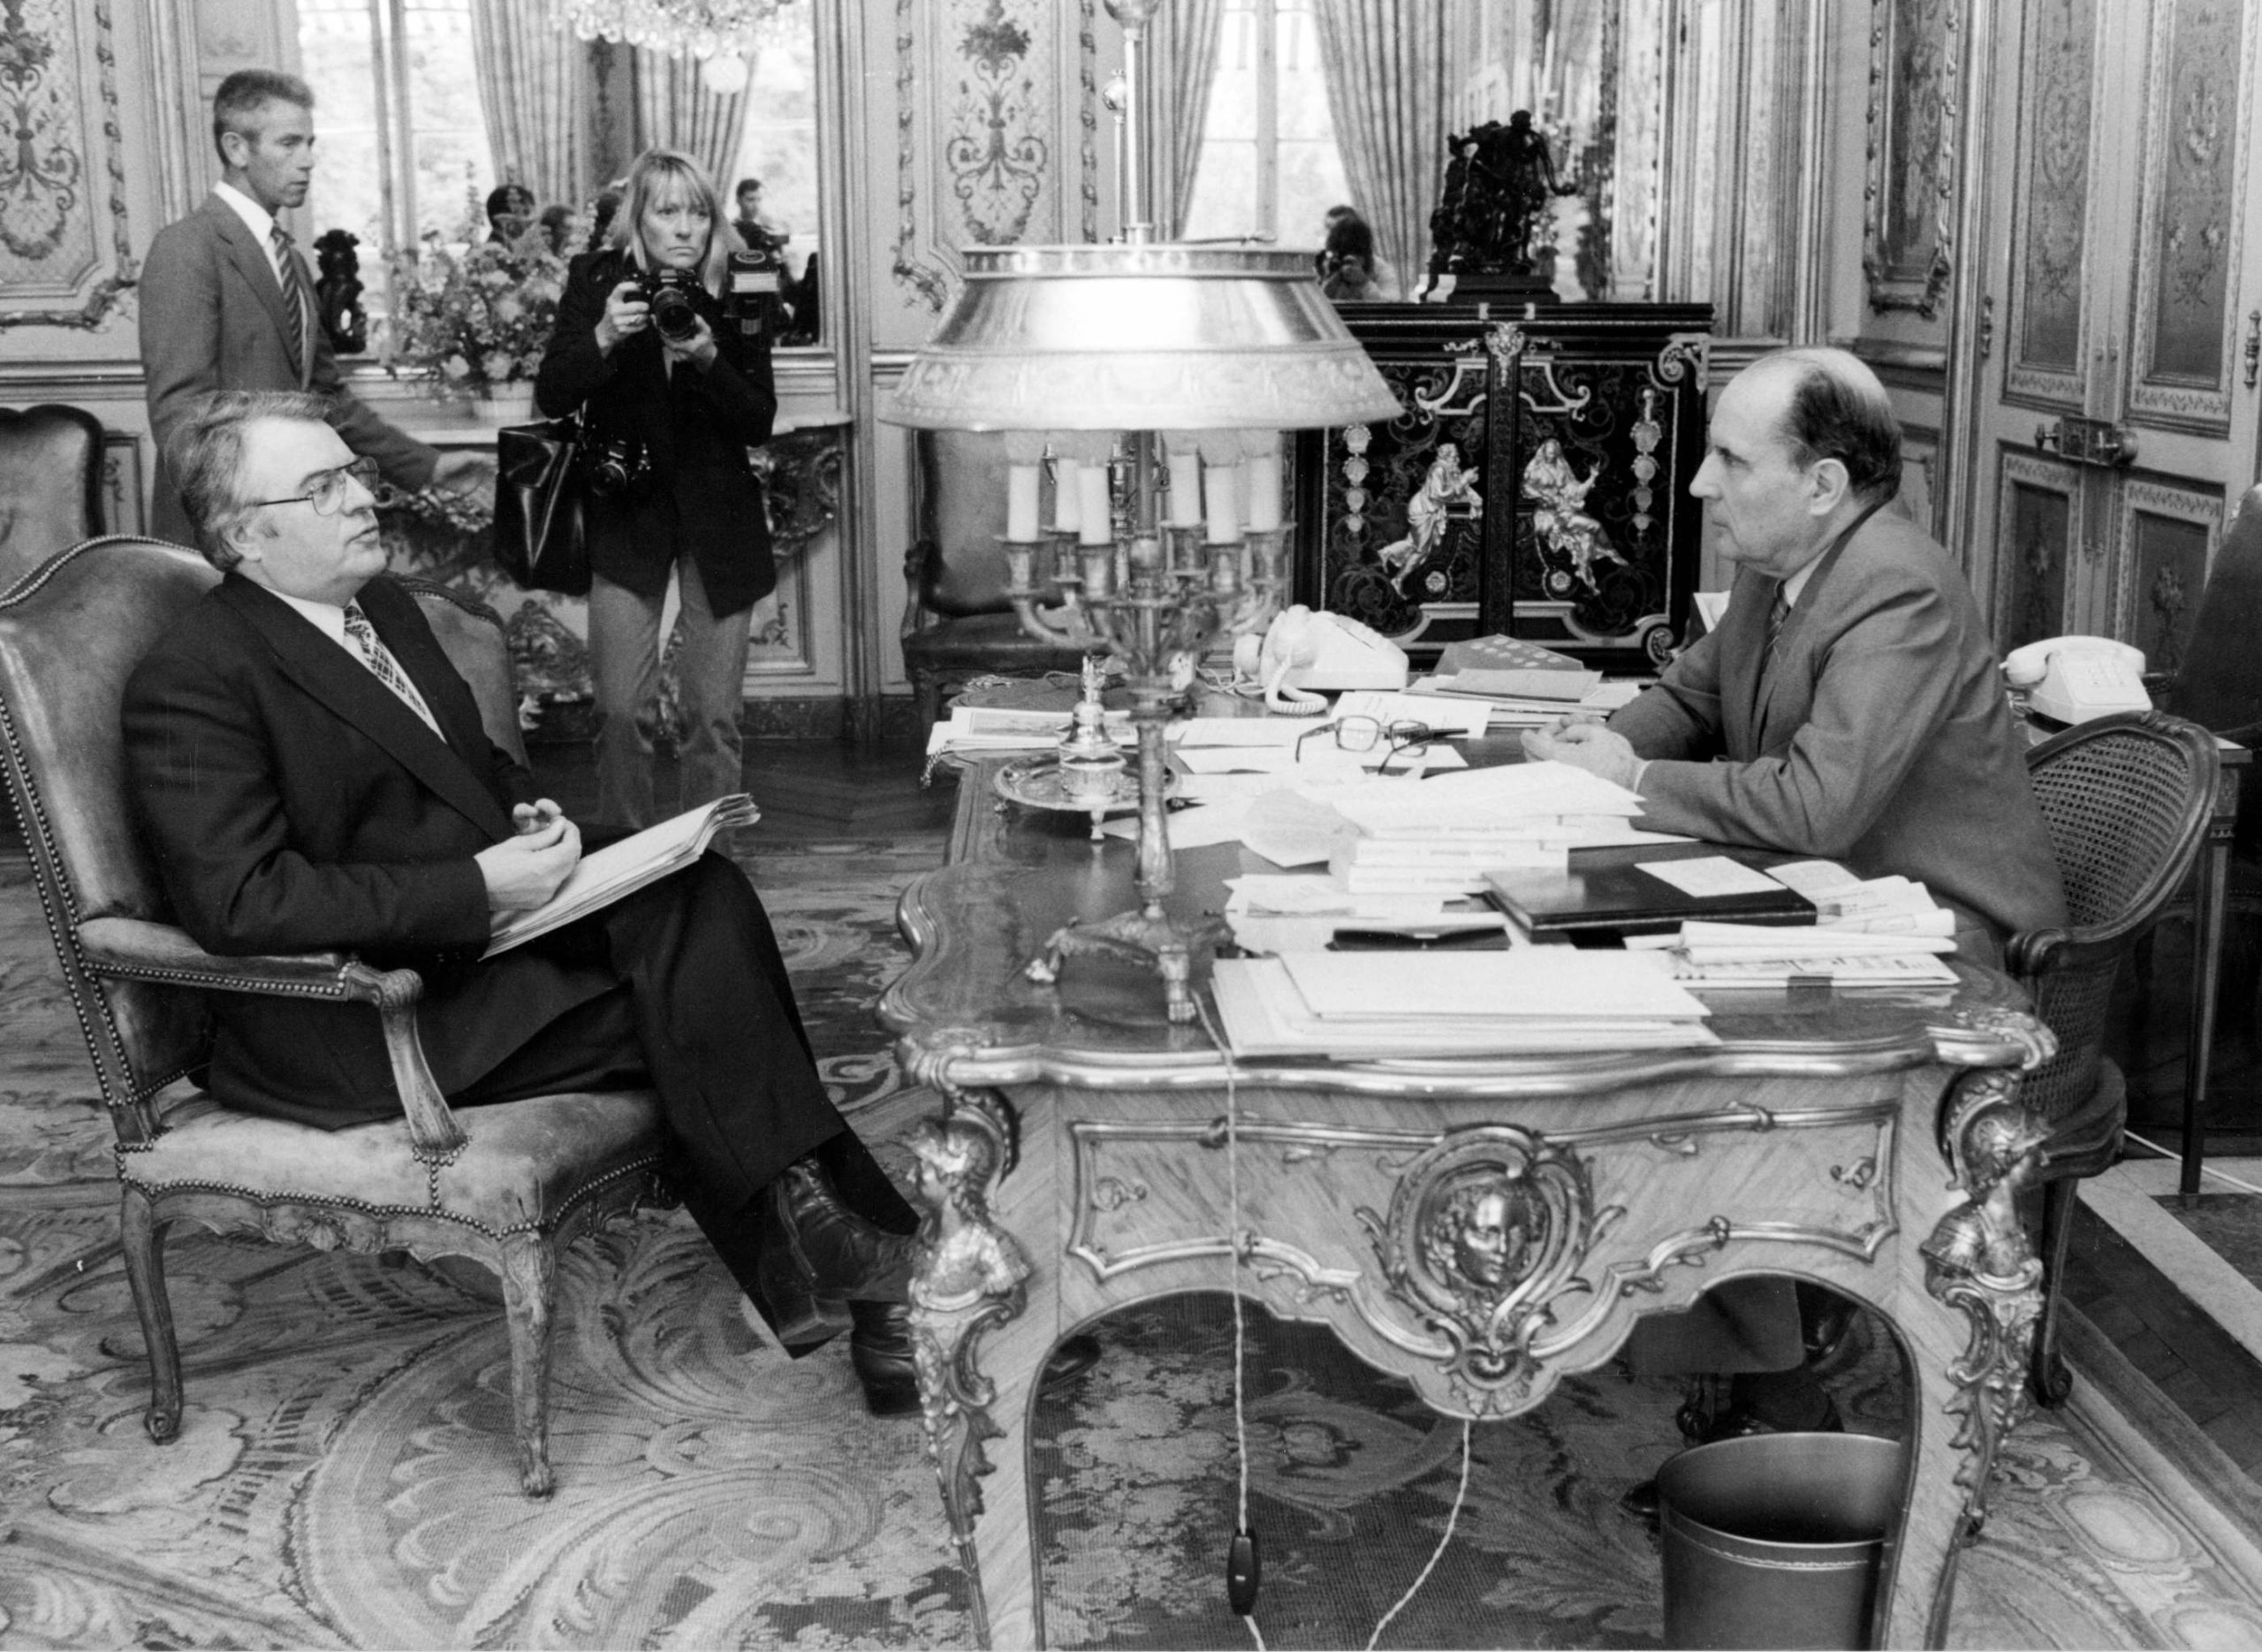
1485	1231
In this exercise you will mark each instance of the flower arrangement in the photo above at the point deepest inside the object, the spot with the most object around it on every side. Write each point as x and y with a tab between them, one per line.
471	315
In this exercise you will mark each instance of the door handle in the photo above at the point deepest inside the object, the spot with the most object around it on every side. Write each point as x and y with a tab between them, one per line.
2093	441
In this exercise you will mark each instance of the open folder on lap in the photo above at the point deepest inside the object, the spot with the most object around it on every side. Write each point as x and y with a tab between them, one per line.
606	875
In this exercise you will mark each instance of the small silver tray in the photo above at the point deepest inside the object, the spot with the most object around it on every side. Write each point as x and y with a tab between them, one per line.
1037	783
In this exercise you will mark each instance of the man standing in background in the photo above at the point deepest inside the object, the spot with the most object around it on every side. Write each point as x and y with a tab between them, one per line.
227	302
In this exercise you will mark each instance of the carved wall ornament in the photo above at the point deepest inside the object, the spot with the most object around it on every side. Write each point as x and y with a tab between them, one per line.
1485	1231
1910	199
919	277
996	155
63	172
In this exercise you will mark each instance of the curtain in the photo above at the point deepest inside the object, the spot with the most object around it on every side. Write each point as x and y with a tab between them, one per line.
528	65
676	108
1386	65
1194	27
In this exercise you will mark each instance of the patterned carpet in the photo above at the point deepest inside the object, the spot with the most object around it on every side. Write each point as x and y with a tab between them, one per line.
344	1473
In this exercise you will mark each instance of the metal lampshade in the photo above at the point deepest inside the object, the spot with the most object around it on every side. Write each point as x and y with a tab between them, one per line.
1143	335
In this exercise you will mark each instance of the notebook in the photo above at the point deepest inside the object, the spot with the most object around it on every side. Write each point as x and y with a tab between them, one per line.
1617	897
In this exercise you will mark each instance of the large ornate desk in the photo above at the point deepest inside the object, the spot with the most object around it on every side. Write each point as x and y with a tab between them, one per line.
1081	1163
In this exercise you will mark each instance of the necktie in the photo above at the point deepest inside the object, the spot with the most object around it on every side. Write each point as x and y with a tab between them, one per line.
386	668
294	297
1778	612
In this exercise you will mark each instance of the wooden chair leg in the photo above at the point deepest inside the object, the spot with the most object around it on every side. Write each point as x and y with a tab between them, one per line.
2049	1377
528	1272
927	695
143	1241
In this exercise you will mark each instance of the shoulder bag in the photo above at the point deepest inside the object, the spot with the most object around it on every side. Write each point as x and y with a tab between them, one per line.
540	539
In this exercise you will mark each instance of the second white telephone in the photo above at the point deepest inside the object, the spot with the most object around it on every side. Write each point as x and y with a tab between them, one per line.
1304	650
2075	679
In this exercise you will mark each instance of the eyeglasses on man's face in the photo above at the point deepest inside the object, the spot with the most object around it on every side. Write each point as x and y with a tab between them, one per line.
326	489
1364	734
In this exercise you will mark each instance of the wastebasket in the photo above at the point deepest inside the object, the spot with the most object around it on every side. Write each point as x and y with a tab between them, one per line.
1773	1540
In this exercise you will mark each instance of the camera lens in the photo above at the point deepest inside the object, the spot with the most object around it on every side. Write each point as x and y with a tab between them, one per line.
672	315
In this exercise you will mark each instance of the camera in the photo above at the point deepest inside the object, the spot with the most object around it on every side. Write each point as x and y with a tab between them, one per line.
617	467
754	291
669	293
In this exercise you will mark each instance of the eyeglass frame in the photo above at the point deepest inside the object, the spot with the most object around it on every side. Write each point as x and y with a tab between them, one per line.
328	484
1406	737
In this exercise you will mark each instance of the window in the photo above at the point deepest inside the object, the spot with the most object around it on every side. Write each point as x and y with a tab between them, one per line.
1270	166
400	146
779	143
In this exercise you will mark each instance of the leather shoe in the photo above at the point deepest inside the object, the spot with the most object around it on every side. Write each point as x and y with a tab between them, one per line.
880	1349
840	1253
1642	1501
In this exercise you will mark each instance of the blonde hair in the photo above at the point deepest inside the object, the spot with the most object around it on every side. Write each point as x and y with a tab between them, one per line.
671	174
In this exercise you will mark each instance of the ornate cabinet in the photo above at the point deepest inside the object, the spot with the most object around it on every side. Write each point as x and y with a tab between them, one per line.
1536	484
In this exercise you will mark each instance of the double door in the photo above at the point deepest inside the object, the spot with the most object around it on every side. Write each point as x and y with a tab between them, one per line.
2118	344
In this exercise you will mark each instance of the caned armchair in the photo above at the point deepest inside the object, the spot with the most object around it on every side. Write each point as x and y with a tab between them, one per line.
2126	801
506	1186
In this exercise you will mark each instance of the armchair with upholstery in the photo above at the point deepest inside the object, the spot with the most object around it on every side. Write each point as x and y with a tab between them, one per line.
506	1186
2126	801
956	621
50	484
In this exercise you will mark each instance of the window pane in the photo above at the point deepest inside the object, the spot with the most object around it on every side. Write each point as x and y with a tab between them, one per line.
337	44
1309	166
454	168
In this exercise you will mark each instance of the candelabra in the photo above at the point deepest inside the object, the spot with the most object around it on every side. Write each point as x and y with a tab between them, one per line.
1159	375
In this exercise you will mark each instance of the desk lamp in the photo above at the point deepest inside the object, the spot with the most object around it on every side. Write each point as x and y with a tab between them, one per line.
1160	375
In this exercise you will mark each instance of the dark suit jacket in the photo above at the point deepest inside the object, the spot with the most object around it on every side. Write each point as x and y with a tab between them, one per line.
296	803
1883	738
212	319
705	501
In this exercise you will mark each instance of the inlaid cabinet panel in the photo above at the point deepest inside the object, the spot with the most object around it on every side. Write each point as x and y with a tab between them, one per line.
2166	535
2038	536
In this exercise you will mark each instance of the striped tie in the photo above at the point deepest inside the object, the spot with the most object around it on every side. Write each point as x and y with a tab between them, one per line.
1778	612
295	304
387	670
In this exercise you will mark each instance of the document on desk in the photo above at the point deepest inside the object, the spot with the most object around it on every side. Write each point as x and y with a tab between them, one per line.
1712	877
1458	721
1218	760
1196	731
1536	983
1263	1013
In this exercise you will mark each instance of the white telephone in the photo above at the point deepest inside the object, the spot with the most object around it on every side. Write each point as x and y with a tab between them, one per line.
2075	679
1304	650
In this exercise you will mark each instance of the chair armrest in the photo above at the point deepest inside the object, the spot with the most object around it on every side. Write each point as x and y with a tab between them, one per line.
134	949
921	563
2032	953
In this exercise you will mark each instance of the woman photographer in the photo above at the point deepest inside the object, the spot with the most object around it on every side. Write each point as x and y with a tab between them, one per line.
672	396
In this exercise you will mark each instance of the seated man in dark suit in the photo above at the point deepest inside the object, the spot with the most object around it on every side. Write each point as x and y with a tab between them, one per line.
1849	707
312	774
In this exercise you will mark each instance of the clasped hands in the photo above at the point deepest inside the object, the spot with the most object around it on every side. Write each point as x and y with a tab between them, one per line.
525	869
1584	743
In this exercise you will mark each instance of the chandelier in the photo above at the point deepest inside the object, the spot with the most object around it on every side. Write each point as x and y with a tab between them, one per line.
704	29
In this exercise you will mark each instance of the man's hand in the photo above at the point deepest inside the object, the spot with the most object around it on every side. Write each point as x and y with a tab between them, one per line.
464	471
1588	746
525	870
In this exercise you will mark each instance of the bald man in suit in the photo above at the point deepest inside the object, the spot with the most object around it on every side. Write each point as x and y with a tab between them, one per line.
227	302
1849	707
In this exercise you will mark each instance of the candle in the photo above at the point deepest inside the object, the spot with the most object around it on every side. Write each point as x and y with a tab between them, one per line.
1064	496
1094	524
1185	487
1020	503
1219	502
1099	570
1264	491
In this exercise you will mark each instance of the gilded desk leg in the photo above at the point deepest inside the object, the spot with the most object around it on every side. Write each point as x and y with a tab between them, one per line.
972	1277
1978	1264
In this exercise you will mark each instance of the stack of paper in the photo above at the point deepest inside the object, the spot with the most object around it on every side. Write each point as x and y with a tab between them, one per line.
1530	1001
1278	912
1527	700
1878	905
1004	729
1751	955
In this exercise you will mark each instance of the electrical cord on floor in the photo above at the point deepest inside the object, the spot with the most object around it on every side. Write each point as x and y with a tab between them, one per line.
2205	1170
1242	1571
1452	1518
1243	1562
